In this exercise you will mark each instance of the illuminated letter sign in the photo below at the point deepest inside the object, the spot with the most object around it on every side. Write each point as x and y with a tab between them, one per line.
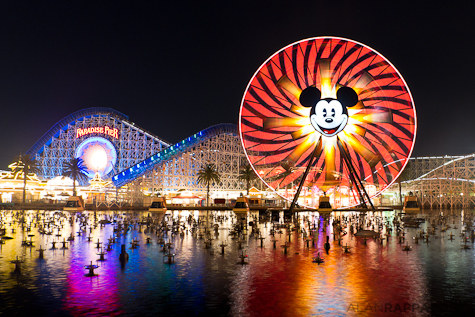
112	132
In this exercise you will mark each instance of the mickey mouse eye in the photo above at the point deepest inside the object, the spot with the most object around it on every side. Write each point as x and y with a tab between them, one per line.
324	112
333	112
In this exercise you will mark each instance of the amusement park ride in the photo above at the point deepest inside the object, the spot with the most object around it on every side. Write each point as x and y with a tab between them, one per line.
326	123
331	115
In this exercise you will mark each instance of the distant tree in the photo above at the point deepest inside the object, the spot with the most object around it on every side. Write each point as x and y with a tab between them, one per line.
25	165
246	173
206	175
75	170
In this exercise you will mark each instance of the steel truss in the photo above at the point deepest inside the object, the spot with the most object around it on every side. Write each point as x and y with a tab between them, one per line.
442	182
58	145
221	147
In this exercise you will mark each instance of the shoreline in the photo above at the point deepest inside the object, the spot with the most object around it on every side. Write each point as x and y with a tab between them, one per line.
36	206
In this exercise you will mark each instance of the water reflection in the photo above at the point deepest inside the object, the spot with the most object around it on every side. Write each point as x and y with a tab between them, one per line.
375	276
91	296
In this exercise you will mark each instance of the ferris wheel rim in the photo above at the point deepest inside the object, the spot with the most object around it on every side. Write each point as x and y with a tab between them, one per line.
317	38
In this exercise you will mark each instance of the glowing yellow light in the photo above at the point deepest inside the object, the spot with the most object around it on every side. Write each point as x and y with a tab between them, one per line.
326	88
270	123
305	130
288	85
302	147
302	111
326	79
95	158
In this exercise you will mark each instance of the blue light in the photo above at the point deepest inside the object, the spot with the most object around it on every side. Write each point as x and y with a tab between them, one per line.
90	144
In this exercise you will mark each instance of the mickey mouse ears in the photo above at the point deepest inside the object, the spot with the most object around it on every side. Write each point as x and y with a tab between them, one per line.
345	95
310	96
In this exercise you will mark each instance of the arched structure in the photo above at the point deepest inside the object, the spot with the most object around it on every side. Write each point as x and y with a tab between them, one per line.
104	134
176	167
442	182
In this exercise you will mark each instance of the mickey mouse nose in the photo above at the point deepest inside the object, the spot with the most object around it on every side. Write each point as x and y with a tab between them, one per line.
328	120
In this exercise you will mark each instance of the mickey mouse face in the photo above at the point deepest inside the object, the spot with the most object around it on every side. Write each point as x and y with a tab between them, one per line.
328	116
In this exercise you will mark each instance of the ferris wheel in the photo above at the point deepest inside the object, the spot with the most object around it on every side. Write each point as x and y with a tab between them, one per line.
327	116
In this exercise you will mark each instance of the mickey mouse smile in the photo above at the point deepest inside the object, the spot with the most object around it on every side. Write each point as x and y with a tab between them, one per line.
326	131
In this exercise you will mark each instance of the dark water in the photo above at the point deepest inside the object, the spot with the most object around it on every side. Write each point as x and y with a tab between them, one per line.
375	279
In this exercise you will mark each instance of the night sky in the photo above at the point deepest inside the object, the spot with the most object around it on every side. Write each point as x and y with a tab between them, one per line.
180	67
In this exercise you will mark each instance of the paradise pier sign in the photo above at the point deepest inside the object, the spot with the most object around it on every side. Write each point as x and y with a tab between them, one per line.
106	130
